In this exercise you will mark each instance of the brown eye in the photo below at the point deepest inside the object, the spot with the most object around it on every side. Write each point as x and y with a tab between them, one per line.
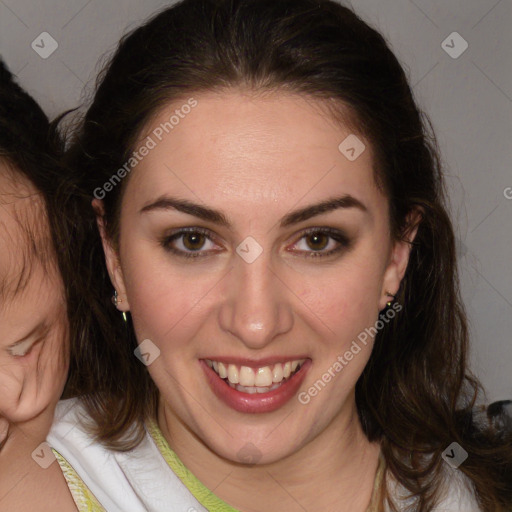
193	241
322	242
189	243
317	241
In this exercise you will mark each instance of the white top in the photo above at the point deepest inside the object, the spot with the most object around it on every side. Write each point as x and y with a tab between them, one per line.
140	480
456	495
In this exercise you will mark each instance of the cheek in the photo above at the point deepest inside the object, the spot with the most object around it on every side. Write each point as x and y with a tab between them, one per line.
12	376
345	299
4	430
31	383
165	304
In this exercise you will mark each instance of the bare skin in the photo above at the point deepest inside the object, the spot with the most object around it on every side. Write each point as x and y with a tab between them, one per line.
257	159
33	358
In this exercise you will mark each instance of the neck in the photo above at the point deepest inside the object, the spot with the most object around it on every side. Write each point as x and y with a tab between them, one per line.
19	470
333	472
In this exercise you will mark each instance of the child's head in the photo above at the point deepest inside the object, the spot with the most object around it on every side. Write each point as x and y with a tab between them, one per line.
33	312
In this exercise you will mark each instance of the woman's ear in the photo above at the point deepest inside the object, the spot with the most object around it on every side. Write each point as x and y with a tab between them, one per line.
111	257
399	257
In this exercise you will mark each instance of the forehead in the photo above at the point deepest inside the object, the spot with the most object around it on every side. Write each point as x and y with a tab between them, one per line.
246	148
24	233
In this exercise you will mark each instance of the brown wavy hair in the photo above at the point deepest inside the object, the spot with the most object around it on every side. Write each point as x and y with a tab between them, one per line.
416	395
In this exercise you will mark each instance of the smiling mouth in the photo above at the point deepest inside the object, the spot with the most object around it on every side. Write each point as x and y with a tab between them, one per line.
255	380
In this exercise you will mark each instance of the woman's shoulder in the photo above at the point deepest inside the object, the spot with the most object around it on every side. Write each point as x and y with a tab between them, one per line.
135	480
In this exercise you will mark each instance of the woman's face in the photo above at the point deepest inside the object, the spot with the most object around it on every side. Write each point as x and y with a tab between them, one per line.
34	328
246	286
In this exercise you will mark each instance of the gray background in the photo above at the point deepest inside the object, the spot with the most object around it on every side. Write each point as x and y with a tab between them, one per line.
468	99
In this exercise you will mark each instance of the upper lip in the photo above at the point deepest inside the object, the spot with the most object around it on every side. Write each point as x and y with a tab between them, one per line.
255	363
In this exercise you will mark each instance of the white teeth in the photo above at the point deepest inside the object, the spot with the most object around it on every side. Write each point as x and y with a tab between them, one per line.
251	390
263	377
233	374
260	380
246	376
277	374
223	373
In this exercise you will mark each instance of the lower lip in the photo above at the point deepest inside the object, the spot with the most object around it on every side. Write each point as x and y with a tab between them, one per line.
258	402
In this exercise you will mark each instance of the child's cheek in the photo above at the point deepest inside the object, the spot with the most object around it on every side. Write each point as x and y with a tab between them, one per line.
4	428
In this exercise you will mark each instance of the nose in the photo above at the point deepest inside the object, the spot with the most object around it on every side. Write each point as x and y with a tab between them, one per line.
257	306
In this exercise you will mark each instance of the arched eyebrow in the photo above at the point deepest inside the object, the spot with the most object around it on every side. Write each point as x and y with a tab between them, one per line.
220	218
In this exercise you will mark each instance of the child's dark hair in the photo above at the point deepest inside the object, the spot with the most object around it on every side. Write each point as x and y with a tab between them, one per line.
28	141
416	394
31	152
29	148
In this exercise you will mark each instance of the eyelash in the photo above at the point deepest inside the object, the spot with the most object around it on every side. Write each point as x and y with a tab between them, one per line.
338	236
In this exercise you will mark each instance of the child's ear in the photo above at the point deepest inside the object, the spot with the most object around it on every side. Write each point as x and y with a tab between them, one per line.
399	257
111	257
